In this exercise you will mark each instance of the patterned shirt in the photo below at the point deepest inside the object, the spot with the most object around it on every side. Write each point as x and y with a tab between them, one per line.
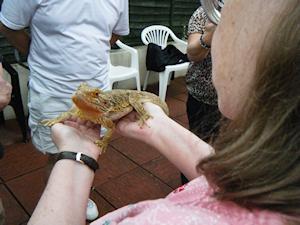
198	77
191	204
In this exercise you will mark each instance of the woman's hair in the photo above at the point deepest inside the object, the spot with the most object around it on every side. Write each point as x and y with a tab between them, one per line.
257	160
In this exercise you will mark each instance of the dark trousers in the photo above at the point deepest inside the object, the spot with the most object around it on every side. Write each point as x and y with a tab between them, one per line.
204	121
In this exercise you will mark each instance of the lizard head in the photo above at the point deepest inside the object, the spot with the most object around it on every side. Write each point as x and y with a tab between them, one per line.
91	100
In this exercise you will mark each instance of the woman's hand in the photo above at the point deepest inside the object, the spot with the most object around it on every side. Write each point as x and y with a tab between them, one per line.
209	32
195	51
5	90
129	125
78	136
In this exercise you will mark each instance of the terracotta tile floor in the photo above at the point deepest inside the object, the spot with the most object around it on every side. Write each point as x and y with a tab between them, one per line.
129	172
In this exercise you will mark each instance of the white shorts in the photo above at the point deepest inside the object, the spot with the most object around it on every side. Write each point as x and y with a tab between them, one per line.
46	107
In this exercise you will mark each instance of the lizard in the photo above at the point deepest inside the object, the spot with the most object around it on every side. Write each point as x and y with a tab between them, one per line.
104	107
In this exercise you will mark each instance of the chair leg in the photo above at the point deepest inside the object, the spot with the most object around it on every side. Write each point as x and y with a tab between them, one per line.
110	85
146	80
138	82
20	116
171	77
16	99
163	84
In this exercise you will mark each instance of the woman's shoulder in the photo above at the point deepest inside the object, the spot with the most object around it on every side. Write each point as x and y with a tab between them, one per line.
198	194
192	203
197	21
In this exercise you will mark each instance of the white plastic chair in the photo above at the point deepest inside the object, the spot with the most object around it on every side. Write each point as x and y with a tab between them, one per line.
120	73
159	35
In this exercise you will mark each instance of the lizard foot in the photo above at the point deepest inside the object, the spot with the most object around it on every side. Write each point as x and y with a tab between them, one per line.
49	122
102	145
143	119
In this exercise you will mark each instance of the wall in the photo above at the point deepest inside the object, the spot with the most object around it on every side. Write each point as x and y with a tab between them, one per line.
118	57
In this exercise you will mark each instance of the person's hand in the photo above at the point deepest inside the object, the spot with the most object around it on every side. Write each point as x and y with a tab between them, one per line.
209	32
129	126
77	136
5	90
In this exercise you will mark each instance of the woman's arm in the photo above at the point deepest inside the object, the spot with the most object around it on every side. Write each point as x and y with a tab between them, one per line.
195	51
66	195
177	144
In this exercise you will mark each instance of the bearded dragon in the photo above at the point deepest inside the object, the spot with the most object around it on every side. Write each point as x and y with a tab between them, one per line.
104	108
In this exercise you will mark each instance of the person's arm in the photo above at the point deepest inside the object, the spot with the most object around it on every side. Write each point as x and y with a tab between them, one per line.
65	197
177	144
5	89
195	51
114	38
20	39
17	15
122	26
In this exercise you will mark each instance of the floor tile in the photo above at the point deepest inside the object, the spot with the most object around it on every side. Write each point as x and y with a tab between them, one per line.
164	170
115	136
175	88
182	119
137	151
181	97
180	80
153	88
176	107
112	164
134	186
14	213
10	133
104	206
20	159
29	188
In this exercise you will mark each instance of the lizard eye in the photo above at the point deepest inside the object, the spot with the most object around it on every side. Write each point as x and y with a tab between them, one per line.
96	94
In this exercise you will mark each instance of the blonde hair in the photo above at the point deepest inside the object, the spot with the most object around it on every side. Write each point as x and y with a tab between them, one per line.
257	160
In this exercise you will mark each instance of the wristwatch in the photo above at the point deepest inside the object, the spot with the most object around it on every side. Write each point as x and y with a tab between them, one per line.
203	44
80	158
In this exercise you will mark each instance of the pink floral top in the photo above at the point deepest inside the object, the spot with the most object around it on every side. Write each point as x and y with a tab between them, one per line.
190	204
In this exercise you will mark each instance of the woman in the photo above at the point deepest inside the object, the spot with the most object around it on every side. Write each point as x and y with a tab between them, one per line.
202	104
252	175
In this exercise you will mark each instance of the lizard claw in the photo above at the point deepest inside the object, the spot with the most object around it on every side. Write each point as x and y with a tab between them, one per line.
49	122
143	119
101	145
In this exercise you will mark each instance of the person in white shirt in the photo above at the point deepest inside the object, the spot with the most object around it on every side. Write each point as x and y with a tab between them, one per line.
69	43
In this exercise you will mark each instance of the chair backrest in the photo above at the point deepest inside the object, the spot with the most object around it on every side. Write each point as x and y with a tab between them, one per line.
157	34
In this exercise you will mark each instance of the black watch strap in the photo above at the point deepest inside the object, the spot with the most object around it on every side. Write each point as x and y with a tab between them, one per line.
79	157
